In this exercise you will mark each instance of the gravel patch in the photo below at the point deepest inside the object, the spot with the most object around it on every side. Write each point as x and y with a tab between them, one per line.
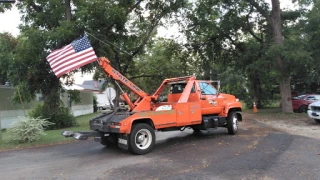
292	123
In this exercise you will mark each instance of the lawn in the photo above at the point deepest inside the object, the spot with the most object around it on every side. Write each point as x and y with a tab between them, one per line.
51	137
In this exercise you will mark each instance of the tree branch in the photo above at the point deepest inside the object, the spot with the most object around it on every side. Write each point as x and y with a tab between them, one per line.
127	12
133	7
263	12
140	76
37	8
250	29
68	10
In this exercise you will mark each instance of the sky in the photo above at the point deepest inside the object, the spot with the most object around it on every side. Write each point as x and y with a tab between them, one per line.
10	20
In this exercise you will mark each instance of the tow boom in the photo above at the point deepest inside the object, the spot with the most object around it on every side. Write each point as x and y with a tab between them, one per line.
116	75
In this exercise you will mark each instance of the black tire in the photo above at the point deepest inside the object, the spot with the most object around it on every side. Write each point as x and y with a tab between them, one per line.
142	139
232	123
111	140
317	120
303	108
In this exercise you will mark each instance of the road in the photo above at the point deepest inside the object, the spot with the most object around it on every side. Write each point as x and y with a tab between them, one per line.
256	152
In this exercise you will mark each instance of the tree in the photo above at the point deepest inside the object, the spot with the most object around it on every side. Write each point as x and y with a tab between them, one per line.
274	21
48	25
7	45
247	36
228	38
163	59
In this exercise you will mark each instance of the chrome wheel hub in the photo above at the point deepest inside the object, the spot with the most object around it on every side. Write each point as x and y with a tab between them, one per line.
143	139
235	123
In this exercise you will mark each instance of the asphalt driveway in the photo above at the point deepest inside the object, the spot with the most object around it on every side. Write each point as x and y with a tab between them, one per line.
256	152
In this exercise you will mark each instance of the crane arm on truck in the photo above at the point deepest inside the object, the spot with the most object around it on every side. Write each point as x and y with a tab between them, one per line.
117	76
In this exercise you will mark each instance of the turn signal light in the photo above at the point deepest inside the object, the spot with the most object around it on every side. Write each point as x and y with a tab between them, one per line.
115	125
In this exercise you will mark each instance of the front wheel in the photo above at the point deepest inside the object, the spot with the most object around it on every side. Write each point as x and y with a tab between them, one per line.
141	139
232	123
303	108
317	120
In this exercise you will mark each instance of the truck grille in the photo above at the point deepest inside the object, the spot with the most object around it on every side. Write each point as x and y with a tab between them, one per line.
315	108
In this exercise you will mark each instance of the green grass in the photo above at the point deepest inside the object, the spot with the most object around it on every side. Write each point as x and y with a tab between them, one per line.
272	106
51	137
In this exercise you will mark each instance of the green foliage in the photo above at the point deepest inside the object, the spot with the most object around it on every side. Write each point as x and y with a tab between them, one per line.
5	6
60	116
28	129
164	59
127	26
51	137
7	45
234	83
229	40
74	96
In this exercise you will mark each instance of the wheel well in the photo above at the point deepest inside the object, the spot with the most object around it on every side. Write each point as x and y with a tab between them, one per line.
235	109
238	110
147	121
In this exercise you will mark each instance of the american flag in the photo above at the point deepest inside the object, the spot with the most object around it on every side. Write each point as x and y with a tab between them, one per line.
72	56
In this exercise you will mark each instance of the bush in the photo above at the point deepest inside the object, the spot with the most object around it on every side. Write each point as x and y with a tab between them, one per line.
28	129
60	116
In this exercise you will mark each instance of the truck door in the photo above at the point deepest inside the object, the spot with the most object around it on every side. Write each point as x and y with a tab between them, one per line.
210	103
188	113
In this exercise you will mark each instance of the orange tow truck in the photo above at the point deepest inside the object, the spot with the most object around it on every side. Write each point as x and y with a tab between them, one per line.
190	103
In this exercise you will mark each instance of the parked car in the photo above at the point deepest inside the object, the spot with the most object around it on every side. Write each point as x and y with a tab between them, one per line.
314	111
300	103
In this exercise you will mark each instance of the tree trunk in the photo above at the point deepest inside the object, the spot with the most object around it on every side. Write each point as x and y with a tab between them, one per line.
68	10
285	89
285	92
256	83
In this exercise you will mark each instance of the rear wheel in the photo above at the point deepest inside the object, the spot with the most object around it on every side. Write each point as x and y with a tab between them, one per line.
317	120
303	108
232	123
141	139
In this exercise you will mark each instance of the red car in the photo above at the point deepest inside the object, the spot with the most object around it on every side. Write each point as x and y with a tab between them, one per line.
300	103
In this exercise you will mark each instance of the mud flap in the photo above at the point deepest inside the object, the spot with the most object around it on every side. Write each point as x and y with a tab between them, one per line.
123	141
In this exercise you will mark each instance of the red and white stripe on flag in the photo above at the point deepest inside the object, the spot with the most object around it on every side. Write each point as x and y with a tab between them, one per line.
72	56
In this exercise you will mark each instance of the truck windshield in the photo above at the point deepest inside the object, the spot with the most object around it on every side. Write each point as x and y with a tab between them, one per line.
207	89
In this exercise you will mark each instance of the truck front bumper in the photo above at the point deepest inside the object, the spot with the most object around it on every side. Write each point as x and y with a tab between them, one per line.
314	114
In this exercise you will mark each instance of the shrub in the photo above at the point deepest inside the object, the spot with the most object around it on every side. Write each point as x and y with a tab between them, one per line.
28	129
60	116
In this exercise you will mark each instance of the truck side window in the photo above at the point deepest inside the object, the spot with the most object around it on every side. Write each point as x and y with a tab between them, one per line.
311	98
207	89
178	88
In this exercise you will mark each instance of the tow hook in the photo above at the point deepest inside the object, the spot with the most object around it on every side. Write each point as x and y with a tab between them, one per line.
80	135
